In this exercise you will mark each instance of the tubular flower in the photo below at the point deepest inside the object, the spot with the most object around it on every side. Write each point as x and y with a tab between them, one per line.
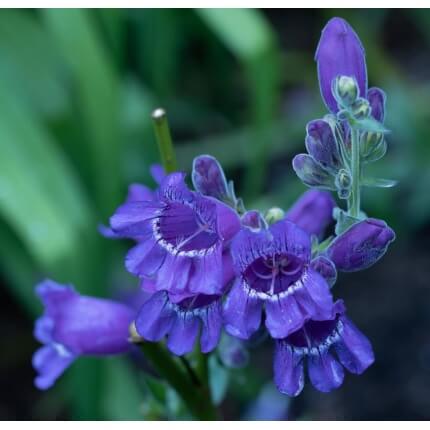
180	317
182	237
340	53
312	212
137	193
273	268
314	343
74	325
162	315
361	246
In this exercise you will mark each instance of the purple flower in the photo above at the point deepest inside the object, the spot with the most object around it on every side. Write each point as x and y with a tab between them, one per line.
321	145
272	268
181	316
340	53
311	173
75	325
209	179
315	343
182	237
325	268
377	98
181	321
253	220
361	246
136	193
312	212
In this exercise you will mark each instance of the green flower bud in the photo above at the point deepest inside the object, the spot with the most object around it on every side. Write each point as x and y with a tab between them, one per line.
343	182
369	142
345	90
361	109
273	215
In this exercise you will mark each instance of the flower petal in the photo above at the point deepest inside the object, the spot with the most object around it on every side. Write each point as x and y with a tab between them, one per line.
315	296
133	219
206	277
249	245
50	362
377	100
155	318
321	145
354	349
339	52
312	212
228	221
208	177
242	311
283	315
43	329
325	268
183	333
173	188
146	258
157	173
361	245
288	369
325	372
291	239
212	322
311	173
174	274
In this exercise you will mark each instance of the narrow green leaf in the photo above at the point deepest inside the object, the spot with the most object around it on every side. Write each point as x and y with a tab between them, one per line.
122	394
379	182
96	82
29	64
244	31
39	196
369	124
218	380
247	34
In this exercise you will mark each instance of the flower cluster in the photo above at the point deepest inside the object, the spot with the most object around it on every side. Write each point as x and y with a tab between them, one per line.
209	265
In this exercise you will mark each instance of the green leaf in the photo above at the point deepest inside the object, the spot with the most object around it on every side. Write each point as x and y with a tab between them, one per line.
247	34
368	124
122	394
379	182
218	380
78	41
39	196
244	31
19	270
29	64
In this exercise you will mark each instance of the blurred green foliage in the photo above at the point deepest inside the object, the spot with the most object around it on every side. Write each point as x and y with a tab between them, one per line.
76	91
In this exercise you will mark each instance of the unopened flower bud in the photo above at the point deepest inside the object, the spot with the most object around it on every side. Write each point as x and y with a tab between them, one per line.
343	182
345	90
372	146
325	268
361	108
311	173
273	215
361	245
134	335
312	211
208	177
253	220
339	53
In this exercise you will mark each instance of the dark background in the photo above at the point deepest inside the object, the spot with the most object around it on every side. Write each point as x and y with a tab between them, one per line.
77	88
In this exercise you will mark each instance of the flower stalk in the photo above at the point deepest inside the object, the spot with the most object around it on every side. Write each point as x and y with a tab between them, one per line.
164	140
196	397
354	201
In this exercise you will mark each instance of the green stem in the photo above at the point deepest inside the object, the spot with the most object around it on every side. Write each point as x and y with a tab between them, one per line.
164	140
354	205
196	398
